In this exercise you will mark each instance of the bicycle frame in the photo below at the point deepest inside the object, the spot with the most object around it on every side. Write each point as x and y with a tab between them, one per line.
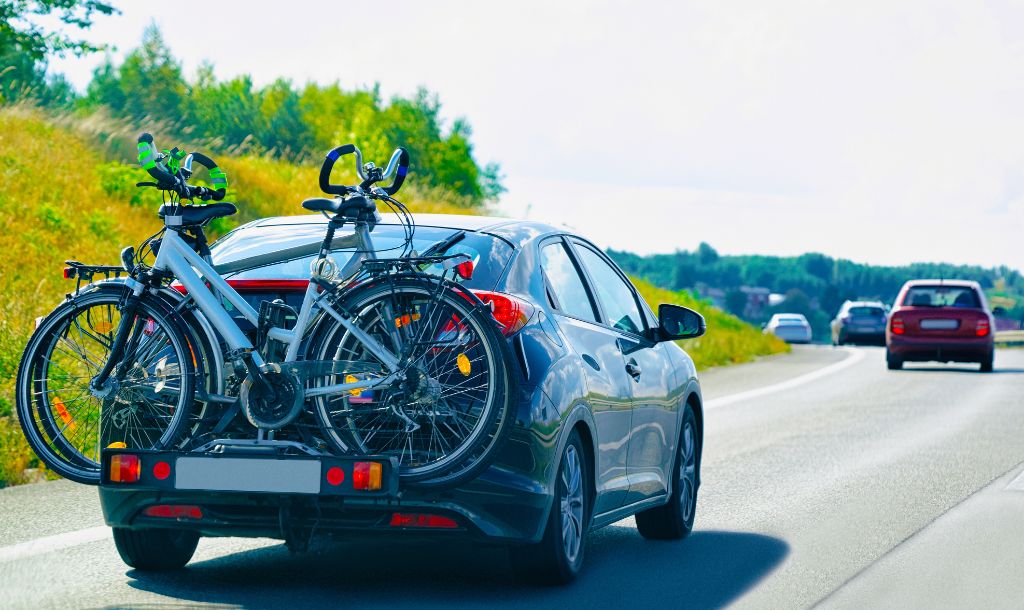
189	268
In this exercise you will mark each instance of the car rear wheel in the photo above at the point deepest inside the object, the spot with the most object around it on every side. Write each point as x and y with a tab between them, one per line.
986	364
893	362
155	549
558	557
674	520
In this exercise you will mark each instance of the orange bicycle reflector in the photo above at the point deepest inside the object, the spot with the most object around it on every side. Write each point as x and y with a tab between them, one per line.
367	476
125	468
406	320
62	411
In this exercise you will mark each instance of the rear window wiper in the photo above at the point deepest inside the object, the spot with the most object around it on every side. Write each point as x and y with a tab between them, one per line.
444	244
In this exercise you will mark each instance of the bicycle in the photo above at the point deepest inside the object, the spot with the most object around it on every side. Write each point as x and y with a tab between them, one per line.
385	358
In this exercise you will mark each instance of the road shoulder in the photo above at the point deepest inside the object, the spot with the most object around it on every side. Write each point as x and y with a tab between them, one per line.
970	557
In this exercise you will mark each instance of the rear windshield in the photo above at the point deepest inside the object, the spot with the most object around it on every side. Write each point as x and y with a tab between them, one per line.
791	320
490	254
867	311
941	296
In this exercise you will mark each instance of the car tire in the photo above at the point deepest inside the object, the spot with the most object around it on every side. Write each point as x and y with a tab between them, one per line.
986	364
558	557
155	549
893	362
674	519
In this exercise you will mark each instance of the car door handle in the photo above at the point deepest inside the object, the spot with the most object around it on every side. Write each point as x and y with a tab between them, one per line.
633	369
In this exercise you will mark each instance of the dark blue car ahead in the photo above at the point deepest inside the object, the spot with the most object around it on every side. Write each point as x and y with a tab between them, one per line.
609	421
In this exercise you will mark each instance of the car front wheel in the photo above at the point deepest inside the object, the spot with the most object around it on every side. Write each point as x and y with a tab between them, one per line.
558	557
674	520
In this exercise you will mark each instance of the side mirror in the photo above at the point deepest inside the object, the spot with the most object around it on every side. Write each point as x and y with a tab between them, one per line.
675	322
999	312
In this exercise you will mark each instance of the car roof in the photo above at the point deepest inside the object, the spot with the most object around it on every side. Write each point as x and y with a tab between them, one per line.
942	282
515	231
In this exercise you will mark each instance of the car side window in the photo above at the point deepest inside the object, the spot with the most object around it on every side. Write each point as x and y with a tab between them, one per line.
615	295
565	282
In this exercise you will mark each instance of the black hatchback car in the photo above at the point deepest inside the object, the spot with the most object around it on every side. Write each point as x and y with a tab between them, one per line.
609	420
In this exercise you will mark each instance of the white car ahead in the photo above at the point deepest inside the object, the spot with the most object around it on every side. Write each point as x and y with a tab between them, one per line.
790	327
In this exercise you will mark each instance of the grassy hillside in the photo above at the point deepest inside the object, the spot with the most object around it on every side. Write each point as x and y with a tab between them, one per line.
67	191
729	340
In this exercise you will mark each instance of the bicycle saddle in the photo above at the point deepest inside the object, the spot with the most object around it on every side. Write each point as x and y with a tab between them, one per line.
198	214
351	207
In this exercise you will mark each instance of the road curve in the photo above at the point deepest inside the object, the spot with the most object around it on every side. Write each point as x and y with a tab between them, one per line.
825	476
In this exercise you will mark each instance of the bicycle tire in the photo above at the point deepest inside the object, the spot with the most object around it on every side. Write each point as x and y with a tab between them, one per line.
162	359
492	357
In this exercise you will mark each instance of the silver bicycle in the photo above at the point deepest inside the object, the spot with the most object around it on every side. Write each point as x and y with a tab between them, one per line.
382	358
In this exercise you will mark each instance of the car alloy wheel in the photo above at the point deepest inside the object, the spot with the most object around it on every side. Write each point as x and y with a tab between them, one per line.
572	503
687	471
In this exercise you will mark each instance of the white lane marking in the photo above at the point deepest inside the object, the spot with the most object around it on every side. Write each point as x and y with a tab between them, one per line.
56	542
853	357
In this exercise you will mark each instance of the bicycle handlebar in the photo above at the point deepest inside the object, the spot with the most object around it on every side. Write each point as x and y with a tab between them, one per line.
173	178
398	165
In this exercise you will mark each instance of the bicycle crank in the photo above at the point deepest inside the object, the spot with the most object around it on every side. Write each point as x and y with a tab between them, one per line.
272	412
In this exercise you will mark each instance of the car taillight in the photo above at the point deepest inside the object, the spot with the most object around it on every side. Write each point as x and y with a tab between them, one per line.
367	476
125	468
896	325
422	520
511	312
173	511
982	329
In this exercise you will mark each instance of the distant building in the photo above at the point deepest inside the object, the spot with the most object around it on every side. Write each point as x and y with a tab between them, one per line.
757	300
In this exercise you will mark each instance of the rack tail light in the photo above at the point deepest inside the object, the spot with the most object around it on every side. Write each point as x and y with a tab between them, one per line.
125	468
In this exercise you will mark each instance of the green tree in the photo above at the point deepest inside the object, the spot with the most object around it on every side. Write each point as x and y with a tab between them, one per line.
25	45
20	33
707	254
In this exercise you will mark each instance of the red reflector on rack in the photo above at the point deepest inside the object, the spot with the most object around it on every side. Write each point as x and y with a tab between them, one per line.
125	468
367	476
422	520
69	273
161	470
335	475
173	511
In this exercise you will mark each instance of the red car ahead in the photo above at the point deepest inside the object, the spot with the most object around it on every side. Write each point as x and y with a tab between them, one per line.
940	320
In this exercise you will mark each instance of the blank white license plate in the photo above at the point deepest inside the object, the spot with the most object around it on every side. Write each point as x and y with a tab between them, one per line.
247	474
940	324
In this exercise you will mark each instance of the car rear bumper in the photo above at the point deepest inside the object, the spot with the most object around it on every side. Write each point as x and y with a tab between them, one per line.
917	349
498	506
853	333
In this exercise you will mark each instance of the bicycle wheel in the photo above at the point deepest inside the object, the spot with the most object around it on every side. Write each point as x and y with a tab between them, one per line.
150	398
451	407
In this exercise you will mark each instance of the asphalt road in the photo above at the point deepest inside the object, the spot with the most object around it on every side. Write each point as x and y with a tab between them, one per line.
827	480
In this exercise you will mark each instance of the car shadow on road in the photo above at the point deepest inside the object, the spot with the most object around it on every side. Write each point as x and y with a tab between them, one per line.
710	569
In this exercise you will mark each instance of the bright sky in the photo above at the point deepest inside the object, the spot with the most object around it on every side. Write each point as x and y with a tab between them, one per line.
881	131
